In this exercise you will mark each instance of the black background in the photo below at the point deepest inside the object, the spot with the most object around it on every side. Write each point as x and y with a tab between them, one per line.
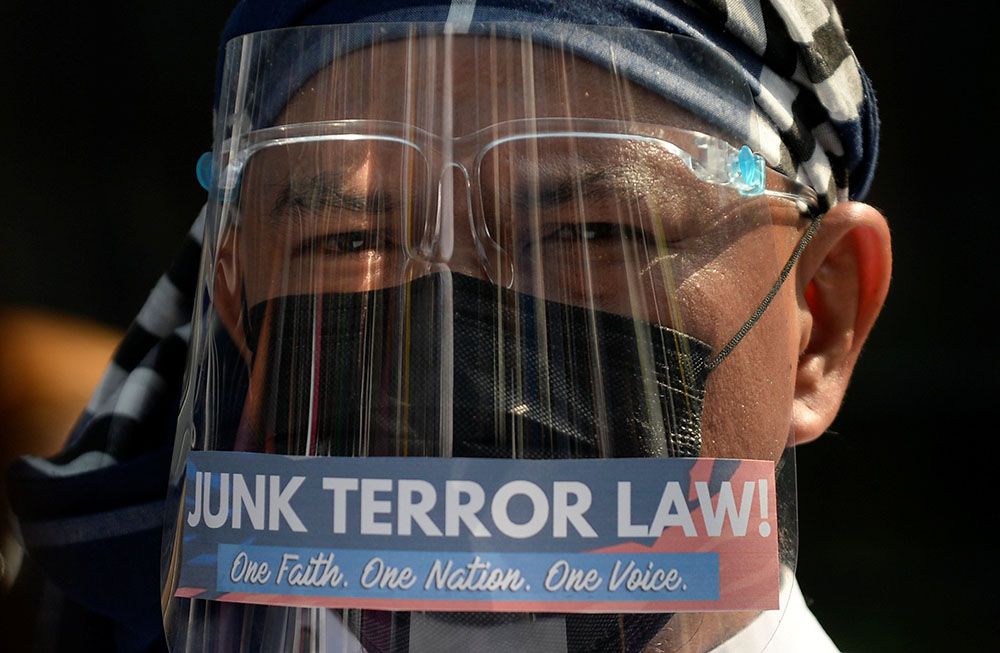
106	109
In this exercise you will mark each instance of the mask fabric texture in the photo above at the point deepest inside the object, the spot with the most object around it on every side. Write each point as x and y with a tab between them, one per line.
371	374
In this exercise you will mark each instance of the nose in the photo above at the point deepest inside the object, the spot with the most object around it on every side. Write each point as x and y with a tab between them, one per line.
461	243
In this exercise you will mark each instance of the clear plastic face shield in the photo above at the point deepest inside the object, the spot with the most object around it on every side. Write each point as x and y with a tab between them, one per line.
482	252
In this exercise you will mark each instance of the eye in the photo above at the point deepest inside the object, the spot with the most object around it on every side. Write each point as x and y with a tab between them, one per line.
590	232
344	243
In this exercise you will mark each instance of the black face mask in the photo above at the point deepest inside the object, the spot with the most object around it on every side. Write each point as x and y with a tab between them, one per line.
372	374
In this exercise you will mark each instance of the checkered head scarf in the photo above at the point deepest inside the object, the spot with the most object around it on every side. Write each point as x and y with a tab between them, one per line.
101	500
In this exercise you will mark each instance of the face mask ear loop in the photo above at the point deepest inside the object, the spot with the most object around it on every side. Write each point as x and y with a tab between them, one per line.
757	314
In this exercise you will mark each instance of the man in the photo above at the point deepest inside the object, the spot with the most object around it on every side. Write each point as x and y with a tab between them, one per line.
485	241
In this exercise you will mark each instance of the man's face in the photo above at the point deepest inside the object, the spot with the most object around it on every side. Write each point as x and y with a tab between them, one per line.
612	225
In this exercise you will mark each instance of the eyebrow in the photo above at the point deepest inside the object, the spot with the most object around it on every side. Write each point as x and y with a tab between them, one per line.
546	193
598	184
326	190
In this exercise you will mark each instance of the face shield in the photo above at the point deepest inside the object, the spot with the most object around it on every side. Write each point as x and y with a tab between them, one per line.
493	349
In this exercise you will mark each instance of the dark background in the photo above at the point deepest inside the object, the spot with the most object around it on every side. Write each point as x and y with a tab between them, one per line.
106	110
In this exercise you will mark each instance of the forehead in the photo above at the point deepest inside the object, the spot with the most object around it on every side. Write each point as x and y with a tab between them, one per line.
460	84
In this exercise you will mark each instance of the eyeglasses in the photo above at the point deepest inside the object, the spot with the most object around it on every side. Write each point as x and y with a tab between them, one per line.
546	194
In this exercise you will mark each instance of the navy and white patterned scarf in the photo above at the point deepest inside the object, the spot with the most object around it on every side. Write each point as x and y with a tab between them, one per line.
91	517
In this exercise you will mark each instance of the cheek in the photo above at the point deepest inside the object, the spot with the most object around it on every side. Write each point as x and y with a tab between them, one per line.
748	398
265	270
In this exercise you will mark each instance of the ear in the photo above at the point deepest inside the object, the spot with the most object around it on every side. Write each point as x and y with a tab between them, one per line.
228	298
842	281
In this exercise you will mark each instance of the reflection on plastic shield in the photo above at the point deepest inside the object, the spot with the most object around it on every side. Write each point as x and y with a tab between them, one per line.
613	535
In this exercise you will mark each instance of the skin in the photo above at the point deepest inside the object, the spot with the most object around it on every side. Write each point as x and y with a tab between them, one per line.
781	386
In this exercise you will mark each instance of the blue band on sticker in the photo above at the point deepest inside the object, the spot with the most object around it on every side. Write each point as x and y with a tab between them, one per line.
472	577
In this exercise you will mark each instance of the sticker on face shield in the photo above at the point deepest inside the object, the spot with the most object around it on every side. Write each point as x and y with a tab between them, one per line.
486	535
